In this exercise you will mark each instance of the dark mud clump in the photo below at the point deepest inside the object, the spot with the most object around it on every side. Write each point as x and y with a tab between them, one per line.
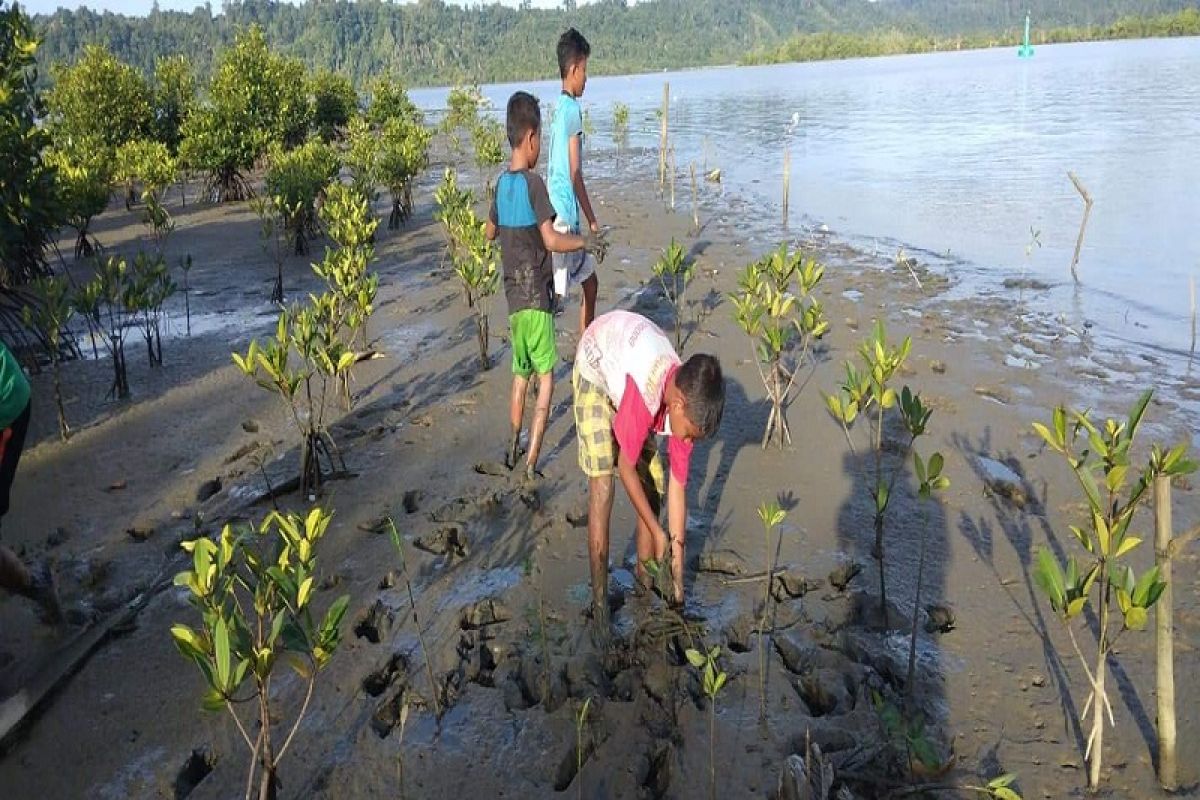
484	613
197	767
375	623
412	501
378	681
449	541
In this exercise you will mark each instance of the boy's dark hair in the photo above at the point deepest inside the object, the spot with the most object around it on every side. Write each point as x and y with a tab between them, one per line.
703	388
572	48
524	115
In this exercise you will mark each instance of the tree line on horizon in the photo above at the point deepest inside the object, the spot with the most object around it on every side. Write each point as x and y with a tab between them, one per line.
431	42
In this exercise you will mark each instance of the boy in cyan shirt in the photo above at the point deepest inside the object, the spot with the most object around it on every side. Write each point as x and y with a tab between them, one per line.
565	176
521	217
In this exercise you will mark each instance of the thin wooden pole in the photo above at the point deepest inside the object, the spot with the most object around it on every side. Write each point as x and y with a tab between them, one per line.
662	138
787	181
671	149
1087	212
1192	288
695	198
1164	633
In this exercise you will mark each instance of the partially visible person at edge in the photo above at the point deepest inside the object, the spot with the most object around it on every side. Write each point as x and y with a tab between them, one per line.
629	388
522	217
565	176
15	577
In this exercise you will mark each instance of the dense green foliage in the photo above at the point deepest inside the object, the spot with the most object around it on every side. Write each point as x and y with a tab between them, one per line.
174	91
433	42
97	104
28	216
832	45
334	103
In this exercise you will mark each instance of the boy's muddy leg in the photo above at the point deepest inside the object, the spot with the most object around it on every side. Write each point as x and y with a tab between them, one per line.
537	428
587	310
516	416
600	503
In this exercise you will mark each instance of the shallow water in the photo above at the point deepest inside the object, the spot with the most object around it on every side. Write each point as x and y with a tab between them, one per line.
960	155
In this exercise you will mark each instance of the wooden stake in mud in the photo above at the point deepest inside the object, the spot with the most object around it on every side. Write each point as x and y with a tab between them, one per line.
672	150
696	204
1164	633
787	183
1192	288
1087	212
662	139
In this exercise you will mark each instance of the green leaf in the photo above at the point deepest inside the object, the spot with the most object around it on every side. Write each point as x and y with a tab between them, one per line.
188	641
695	658
1136	618
1141	590
1127	544
1001	781
334	616
1138	411
936	461
221	653
1004	793
1049	576
1075	607
212	700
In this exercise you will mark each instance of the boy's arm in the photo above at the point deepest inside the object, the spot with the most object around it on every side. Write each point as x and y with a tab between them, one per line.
677	524
627	469
575	152
557	242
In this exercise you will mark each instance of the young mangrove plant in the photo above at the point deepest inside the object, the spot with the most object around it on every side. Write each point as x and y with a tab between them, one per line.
345	268
675	270
101	302
50	313
272	234
580	724
403	155
1102	463
148	285
868	393
361	158
620	132
81	185
398	543
772	516
462	112
488	140
454	207
295	178
930	481
713	680
776	306
254	591
477	265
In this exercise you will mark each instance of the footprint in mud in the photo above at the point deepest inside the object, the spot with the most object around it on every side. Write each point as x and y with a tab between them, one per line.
492	468
464	508
656	770
412	501
388	713
594	735
375	623
448	541
378	681
484	613
197	767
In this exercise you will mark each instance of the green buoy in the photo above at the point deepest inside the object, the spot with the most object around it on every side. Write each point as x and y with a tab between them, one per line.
1026	49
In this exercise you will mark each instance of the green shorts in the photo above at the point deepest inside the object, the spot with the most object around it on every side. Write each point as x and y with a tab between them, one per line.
533	348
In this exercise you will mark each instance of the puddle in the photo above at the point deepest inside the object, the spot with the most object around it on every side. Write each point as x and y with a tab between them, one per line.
853	295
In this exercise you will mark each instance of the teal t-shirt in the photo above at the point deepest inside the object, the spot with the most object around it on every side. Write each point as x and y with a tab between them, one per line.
568	122
14	388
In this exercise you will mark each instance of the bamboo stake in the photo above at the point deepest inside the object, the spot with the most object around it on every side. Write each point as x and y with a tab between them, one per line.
671	149
1192	287
696	199
1087	212
662	138
1164	634
787	180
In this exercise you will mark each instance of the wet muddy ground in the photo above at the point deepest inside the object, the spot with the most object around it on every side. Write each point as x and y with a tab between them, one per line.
500	574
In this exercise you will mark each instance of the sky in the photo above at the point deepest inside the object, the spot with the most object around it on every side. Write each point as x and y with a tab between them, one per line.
143	6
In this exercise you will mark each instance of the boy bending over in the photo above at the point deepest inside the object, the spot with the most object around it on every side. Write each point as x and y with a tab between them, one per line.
630	387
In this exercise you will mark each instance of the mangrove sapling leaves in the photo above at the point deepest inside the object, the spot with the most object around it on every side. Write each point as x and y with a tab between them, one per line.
675	270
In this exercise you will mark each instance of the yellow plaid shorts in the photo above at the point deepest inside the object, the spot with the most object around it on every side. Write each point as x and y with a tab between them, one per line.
594	414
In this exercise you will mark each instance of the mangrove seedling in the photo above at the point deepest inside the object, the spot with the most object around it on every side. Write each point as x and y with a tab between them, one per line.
295	178
254	591
713	681
361	158
675	270
101	303
476	264
868	393
272	234
772	516
454	208
580	722
50	313
398	543
148	285
620	131
403	154
777	308
488	139
81	185
345	268
1102	469
931	481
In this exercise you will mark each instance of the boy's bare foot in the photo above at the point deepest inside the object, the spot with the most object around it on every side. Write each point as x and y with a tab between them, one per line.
600	626
513	454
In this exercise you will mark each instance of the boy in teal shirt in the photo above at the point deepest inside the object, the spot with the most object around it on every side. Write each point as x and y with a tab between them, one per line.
565	176
14	422
522	218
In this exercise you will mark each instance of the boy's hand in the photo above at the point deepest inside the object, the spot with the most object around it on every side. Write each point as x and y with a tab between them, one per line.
597	244
595	226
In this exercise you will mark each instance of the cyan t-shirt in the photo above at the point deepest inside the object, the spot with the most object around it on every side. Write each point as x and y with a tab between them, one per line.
568	122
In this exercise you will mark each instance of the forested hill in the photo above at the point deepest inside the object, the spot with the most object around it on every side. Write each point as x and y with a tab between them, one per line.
432	42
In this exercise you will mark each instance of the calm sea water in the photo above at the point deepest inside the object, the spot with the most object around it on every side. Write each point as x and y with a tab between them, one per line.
962	154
